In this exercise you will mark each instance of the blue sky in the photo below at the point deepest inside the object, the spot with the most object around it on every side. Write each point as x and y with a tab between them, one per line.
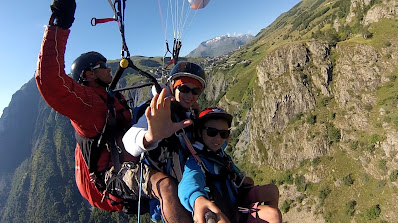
22	26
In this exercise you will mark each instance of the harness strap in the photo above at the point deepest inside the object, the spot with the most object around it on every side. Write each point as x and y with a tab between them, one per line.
237	177
188	144
222	195
118	8
115	195
176	50
95	21
111	128
167	51
140	189
253	211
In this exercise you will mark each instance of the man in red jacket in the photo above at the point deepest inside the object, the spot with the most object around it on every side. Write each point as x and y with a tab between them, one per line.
84	100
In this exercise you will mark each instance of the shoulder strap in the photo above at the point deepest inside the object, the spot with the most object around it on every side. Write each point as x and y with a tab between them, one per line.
122	101
181	134
87	147
110	128
220	194
139	111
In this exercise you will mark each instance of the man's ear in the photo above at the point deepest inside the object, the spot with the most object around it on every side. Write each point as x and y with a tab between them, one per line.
89	74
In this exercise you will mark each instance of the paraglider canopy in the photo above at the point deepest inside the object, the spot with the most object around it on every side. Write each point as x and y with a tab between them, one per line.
198	4
181	13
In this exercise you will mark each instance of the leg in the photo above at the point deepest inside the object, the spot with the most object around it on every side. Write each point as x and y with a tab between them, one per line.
164	188
269	194
266	213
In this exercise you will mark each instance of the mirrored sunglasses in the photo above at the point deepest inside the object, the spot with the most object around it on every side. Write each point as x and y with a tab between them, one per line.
212	132
100	65
185	89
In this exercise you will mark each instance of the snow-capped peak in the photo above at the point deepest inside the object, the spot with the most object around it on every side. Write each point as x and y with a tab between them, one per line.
218	38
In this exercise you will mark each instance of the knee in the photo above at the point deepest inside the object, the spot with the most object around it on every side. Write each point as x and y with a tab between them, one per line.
275	215
271	191
274	190
270	214
167	186
275	195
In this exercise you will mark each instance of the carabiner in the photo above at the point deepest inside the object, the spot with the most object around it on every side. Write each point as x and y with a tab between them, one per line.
93	21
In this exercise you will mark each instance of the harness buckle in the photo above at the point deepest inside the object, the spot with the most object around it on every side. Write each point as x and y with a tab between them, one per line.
103	196
180	133
119	149
107	147
248	210
241	176
94	179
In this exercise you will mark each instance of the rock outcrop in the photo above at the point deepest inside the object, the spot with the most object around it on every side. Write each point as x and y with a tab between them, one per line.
288	78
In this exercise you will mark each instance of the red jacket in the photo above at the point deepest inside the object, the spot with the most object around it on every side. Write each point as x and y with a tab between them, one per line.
84	106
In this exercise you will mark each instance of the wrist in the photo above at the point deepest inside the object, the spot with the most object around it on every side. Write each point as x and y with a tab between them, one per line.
148	141
199	201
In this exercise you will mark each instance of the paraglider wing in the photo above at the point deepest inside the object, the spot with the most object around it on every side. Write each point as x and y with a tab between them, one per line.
198	4
182	13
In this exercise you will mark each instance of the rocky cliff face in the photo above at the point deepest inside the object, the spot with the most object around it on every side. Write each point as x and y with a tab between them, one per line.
295	78
359	72
387	9
362	72
219	84
325	112
288	78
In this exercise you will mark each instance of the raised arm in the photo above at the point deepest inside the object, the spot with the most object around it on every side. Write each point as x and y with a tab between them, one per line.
59	90
156	126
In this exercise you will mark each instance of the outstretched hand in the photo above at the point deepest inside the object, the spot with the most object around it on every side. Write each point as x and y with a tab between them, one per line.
160	125
63	12
202	206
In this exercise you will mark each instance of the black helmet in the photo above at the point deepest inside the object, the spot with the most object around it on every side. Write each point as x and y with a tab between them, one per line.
85	62
187	69
214	113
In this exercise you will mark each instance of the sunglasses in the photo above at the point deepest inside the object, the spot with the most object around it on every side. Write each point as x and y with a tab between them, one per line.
185	89
100	65
212	132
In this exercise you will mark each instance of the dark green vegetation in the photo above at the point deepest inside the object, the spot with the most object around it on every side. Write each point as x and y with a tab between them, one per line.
354	179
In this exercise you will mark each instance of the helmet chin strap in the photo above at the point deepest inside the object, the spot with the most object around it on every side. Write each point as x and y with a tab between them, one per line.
85	82
101	83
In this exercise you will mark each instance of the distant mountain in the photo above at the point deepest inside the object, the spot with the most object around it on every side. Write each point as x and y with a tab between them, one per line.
219	46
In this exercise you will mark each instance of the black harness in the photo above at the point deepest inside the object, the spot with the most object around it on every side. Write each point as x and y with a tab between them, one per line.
116	189
216	186
171	155
92	147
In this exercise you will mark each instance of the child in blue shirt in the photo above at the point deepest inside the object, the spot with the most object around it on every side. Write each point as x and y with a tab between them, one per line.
211	181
